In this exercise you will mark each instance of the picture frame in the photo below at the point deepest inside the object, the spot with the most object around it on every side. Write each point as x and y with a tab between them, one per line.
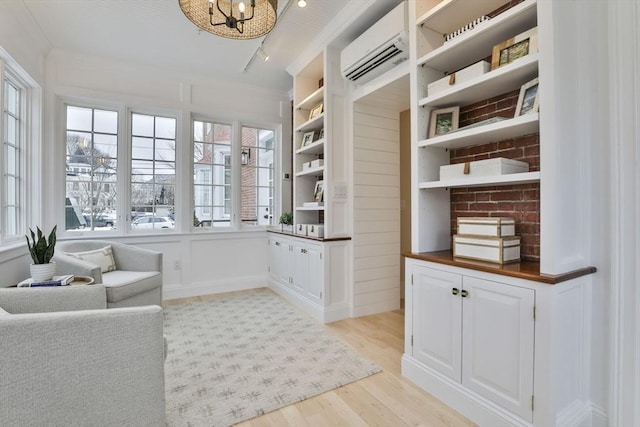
443	121
316	111
528	100
321	134
307	138
514	48
318	191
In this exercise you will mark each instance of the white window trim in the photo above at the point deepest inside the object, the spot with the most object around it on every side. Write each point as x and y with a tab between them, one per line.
30	188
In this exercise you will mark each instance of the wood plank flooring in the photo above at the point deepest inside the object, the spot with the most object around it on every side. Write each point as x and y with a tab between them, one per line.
383	399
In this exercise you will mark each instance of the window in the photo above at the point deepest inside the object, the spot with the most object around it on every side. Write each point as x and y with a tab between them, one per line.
153	166
11	156
19	100
257	189
212	174
91	156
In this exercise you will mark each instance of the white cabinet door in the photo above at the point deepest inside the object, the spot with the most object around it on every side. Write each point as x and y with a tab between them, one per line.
498	338
279	260
315	273
298	266
437	320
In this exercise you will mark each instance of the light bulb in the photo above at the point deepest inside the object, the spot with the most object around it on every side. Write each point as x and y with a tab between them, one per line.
241	7
302	3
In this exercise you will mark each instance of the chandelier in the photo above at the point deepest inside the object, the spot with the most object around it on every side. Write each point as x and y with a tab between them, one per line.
232	18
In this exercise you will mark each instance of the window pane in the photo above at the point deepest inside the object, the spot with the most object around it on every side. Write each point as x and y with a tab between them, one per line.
11	146
212	173
13	98
106	121
257	176
153	171
79	118
91	177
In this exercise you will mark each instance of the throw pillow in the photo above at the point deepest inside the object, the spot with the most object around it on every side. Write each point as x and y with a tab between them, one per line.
102	257
4	313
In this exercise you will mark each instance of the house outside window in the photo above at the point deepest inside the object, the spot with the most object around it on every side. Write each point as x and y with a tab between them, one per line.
91	155
257	188
153	166
212	174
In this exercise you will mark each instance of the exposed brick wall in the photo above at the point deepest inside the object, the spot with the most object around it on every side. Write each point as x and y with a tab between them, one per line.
520	202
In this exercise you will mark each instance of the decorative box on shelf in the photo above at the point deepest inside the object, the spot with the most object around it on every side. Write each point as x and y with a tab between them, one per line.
315	230
488	167
486	226
500	250
468	73
312	164
301	229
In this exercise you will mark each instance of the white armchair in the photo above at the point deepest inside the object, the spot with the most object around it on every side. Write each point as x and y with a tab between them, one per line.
74	368
136	279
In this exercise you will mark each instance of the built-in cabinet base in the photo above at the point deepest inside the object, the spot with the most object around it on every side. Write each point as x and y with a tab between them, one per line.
502	351
311	273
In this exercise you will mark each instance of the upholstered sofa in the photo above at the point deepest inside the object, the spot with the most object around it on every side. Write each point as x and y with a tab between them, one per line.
132	276
68	361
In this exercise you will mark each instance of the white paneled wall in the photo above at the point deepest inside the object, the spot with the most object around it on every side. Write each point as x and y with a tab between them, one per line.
376	202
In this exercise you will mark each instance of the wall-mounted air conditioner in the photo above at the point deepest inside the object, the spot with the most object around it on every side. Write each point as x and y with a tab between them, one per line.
383	46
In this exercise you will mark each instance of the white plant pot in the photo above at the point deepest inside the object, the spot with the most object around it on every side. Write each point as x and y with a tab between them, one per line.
42	272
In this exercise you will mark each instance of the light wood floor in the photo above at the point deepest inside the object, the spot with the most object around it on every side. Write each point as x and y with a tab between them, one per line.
383	399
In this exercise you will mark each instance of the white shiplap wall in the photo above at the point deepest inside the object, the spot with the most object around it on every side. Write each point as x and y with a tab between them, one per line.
376	200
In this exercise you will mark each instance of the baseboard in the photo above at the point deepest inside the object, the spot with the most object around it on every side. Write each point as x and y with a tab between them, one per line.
472	406
213	287
577	414
321	314
599	416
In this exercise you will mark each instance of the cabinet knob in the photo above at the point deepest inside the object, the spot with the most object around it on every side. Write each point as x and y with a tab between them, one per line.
464	294
277	243
455	291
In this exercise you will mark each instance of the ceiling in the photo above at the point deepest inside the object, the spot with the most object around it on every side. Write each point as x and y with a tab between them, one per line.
156	32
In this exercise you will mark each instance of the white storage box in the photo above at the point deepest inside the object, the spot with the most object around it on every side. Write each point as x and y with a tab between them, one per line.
315	230
475	70
313	164
487	226
488	167
493	249
301	229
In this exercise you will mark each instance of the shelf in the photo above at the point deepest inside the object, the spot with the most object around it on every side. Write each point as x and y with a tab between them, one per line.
450	15
481	181
313	172
499	131
476	44
488	85
311	124
316	147
310	208
312	100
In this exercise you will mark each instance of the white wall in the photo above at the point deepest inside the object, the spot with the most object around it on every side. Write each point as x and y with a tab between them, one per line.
376	201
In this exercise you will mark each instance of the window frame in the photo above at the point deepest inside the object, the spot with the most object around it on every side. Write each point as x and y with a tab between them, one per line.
29	124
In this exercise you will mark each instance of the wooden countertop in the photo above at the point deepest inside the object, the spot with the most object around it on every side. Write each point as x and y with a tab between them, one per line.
317	239
528	270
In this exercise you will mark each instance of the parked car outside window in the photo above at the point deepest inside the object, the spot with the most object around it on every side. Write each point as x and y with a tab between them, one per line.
152	222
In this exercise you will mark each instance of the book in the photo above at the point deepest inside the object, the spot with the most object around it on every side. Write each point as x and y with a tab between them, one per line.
63	280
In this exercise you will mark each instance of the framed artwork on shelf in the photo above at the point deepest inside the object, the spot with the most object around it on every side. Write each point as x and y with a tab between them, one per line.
444	121
307	138
316	111
318	192
528	98
321	134
516	47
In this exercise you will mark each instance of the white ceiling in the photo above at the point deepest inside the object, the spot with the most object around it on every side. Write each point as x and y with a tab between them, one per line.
156	32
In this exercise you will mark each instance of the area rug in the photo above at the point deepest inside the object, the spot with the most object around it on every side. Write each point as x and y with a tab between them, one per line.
242	356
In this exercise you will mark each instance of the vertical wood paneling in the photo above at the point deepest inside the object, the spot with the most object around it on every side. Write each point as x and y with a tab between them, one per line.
376	209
